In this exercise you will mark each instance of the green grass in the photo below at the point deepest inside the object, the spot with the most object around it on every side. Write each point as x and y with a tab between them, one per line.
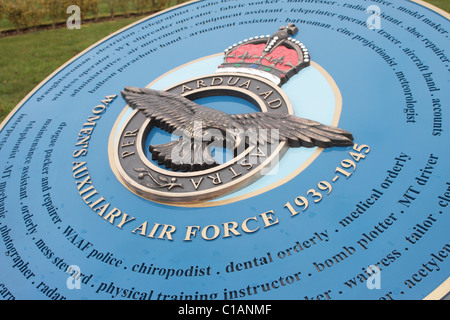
27	59
443	4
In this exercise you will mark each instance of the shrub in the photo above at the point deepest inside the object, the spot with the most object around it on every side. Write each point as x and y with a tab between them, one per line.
37	12
25	13
56	10
85	6
123	6
111	5
93	8
2	9
141	6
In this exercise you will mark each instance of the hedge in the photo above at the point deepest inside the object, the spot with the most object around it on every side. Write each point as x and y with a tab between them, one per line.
24	14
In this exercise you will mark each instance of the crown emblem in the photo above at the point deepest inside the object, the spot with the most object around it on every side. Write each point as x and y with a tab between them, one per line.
276	58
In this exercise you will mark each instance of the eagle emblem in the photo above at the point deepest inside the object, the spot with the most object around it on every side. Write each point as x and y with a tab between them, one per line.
187	169
196	125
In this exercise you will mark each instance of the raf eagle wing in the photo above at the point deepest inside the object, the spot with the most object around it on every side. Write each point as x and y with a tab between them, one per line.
172	112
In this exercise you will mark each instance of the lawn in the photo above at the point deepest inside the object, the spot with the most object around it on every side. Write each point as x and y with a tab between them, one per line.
443	4
27	59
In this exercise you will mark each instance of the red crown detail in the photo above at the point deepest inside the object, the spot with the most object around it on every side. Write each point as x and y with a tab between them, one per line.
277	57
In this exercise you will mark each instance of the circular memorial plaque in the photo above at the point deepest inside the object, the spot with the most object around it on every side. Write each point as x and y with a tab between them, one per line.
226	150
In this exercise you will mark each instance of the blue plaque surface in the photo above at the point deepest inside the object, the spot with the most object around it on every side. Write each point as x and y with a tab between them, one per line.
368	221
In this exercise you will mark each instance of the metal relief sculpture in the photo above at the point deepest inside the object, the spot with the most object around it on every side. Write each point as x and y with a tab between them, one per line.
172	112
253	69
